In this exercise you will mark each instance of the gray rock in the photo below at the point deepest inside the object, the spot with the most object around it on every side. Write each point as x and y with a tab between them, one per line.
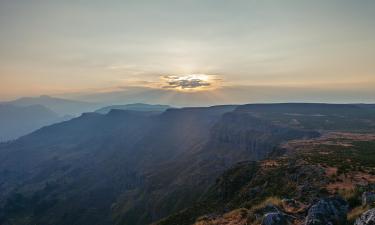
368	198
274	218
328	211
367	218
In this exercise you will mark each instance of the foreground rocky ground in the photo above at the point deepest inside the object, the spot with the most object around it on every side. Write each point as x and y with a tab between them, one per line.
327	180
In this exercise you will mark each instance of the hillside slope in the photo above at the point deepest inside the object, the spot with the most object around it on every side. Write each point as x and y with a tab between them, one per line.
334	166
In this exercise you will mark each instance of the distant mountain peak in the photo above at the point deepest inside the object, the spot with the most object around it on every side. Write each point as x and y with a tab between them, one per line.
60	105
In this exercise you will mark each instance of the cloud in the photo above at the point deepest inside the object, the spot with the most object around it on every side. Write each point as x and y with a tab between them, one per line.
184	84
194	81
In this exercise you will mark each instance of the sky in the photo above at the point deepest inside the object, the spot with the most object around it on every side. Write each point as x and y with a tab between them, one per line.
208	51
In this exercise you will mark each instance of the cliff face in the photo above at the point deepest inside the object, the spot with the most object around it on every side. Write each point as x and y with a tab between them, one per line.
231	138
253	137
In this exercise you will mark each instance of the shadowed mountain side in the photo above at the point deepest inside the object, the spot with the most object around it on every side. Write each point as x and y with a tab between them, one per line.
88	162
79	163
177	184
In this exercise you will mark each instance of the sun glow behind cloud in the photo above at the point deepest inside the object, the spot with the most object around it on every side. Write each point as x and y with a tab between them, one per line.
190	82
278	44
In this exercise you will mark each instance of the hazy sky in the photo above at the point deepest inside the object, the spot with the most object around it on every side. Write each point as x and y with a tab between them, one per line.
321	46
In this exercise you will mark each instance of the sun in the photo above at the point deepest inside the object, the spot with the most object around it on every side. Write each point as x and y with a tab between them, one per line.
204	77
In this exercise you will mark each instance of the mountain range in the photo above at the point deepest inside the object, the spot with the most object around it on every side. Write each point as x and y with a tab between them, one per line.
17	121
132	168
24	115
60	106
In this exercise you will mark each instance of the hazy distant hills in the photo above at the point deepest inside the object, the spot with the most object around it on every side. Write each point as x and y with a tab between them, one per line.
27	114
60	106
24	115
16	121
132	168
134	107
225	95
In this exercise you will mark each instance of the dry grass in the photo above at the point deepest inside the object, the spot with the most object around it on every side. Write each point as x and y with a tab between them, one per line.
356	212
268	201
235	217
240	216
347	193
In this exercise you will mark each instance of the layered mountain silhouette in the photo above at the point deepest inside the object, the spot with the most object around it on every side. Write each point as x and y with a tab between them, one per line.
17	121
28	114
24	115
59	105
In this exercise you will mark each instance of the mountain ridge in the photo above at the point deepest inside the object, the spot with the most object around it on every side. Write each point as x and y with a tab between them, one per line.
134	107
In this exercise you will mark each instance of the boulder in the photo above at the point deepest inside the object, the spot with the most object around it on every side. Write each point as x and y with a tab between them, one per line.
274	218
367	218
327	211
368	198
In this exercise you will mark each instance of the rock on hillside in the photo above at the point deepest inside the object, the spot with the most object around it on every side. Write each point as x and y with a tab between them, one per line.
331	210
367	218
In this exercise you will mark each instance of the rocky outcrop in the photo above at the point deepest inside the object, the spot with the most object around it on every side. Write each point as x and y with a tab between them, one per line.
331	211
367	218
368	198
274	218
